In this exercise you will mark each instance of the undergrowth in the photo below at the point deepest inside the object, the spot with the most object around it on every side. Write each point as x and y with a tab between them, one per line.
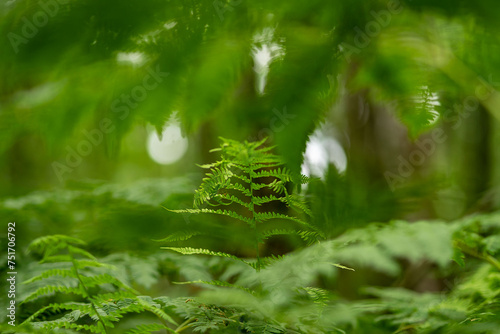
98	299
300	292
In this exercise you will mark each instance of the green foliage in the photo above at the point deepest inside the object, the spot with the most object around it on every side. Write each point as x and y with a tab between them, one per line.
374	74
284	295
291	293
472	306
250	176
102	300
378	247
190	251
209	318
100	212
285	286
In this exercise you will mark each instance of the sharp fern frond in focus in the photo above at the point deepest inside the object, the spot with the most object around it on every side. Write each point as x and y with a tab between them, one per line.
201	251
249	176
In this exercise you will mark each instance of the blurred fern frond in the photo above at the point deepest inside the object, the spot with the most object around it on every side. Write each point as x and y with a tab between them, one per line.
101	300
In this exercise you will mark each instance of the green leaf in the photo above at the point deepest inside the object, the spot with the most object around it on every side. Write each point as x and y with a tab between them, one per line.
200	251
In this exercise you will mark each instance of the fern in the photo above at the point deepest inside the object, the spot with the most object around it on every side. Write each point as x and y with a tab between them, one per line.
103	308
205	317
309	236
319	296
191	251
146	329
179	236
220	284
243	170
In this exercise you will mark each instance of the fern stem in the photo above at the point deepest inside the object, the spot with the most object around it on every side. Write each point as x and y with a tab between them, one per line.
256	244
85	289
254	221
472	252
185	325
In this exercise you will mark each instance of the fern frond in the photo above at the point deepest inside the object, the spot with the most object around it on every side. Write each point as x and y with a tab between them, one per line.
270	260
297	203
97	280
277	186
82	264
281	173
259	200
148	304
217	179
234	199
240	188
179	236
220	284
271	233
212	165
80	251
318	295
51	289
254	145
308	236
113	296
49	241
201	251
271	164
56	324
259	186
241	165
113	311
265	216
145	329
243	178
217	212
57	258
84	308
105	309
52	272
304	179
